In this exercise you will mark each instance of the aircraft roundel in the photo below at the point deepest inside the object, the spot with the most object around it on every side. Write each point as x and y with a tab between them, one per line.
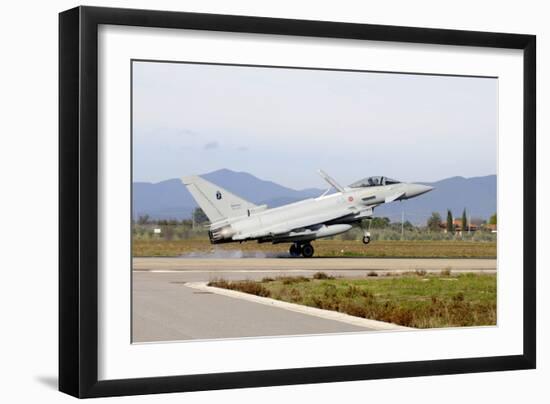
350	199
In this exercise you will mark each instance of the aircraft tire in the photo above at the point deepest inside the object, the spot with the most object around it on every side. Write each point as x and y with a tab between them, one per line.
366	239
307	250
294	250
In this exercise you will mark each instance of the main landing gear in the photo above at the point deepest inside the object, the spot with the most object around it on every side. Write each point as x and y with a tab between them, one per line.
306	250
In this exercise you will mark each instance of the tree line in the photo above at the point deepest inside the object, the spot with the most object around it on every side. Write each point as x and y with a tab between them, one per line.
434	222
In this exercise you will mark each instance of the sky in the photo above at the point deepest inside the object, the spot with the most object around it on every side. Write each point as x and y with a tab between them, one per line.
283	124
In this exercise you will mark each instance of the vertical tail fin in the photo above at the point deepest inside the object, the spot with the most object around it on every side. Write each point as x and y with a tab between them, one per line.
216	202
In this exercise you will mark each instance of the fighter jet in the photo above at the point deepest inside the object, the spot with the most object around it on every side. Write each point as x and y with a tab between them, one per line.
233	219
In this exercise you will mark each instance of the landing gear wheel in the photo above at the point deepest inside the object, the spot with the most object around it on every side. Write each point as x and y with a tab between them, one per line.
366	238
294	250
307	251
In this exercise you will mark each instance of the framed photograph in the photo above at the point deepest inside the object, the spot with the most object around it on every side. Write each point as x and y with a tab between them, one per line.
250	201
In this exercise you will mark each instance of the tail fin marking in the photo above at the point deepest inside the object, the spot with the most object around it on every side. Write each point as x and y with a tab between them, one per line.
216	202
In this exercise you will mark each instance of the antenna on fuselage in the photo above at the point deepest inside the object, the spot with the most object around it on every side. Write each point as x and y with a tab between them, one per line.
331	181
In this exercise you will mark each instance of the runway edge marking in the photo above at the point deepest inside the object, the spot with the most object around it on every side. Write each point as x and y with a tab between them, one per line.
312	311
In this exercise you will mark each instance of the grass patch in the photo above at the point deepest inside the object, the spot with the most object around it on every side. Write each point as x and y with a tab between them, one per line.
426	301
254	288
326	248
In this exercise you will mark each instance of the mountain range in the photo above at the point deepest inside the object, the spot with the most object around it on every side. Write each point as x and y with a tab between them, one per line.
170	199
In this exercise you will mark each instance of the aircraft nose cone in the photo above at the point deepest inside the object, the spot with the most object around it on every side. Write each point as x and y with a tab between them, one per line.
424	188
417	189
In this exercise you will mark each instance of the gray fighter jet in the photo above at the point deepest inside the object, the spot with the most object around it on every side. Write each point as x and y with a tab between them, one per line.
233	219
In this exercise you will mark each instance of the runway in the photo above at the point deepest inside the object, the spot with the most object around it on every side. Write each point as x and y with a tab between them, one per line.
165	309
200	269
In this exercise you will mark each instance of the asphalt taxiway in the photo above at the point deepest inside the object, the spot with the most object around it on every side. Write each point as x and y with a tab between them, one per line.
165	309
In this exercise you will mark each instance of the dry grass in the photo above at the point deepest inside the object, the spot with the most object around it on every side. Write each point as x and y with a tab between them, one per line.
446	272
325	248
426	301
254	288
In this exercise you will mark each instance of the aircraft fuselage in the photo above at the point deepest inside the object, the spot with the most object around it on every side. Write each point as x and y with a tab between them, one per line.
234	219
312	218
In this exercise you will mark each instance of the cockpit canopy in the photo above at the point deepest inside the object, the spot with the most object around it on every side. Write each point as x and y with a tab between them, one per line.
373	182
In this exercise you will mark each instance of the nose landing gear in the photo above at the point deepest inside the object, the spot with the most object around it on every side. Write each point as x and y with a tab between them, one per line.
366	238
306	250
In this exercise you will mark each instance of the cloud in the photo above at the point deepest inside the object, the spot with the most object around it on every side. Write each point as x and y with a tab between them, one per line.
211	145
242	148
187	132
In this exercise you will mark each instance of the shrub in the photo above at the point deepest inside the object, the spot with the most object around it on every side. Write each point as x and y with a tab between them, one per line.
219	283
322	275
459	297
352	291
295	295
289	280
353	309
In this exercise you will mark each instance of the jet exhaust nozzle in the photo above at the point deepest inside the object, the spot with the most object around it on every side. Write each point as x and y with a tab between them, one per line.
221	235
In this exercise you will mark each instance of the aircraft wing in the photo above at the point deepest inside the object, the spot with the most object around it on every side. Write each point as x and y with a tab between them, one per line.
301	223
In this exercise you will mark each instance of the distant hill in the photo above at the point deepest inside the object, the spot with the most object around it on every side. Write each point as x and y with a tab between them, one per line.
170	199
477	194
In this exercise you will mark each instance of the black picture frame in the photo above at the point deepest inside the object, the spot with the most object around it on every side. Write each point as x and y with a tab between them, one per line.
78	201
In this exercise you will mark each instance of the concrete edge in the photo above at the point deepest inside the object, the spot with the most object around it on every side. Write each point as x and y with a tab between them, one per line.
312	271
298	308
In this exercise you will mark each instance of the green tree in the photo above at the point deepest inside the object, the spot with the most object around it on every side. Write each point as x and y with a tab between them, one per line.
143	219
199	216
493	219
450	227
434	222
379	222
464	220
